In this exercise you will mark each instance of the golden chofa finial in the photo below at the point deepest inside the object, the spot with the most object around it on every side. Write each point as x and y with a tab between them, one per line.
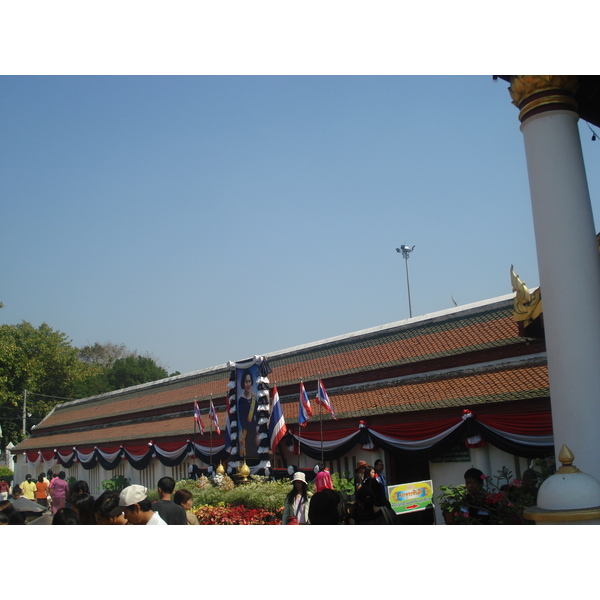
527	306
566	458
523	297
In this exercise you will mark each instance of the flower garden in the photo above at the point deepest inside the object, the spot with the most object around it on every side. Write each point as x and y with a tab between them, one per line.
218	501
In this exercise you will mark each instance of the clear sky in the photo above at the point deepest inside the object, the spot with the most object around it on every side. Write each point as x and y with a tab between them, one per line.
203	219
252	205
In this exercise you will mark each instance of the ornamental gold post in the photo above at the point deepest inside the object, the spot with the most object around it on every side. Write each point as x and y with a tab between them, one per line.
569	265
244	471
569	497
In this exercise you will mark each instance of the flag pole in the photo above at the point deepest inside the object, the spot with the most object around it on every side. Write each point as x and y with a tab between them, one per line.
299	433
320	415
211	444
272	450
194	436
321	423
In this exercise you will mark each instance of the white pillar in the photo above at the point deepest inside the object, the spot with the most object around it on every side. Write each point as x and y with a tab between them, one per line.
568	260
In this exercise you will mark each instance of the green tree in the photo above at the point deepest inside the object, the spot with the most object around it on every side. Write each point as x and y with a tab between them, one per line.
114	367
41	361
134	370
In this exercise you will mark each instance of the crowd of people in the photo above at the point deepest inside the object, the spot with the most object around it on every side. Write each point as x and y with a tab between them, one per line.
327	507
51	502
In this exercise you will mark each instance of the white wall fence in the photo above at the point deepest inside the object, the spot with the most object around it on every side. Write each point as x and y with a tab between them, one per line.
148	477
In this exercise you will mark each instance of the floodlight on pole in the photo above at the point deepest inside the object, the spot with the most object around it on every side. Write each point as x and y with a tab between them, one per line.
405	251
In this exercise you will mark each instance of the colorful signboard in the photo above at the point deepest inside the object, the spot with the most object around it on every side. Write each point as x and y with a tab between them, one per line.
410	497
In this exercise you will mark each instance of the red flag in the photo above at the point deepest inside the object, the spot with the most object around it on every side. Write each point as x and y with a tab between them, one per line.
305	410
277	426
323	399
213	416
198	418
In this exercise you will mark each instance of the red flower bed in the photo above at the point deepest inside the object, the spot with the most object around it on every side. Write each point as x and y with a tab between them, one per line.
235	515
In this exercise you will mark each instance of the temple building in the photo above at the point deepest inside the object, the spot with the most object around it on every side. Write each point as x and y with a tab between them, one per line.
430	396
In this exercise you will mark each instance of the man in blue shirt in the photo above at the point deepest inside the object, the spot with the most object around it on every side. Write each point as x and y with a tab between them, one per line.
378	466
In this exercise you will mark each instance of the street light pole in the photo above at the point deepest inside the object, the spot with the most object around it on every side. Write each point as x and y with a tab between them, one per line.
24	411
405	250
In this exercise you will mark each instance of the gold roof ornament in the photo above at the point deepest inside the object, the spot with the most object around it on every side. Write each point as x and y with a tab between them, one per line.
527	306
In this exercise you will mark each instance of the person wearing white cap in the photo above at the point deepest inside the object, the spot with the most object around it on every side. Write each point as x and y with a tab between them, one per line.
137	508
297	502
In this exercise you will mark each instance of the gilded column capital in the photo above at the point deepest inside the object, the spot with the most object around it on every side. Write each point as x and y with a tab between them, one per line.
534	94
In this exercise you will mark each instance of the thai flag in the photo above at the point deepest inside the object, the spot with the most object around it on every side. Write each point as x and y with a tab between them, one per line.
277	426
305	409
198	418
213	417
323	399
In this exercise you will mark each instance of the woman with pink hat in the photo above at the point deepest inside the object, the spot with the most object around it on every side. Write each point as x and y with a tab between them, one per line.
297	502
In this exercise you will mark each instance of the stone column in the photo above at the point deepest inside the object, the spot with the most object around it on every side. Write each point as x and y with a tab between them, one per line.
568	260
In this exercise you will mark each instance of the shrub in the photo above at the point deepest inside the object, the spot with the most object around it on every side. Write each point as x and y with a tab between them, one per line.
116	483
343	484
220	491
6	473
152	495
257	494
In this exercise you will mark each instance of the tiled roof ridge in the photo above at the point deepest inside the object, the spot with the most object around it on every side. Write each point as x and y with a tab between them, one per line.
141	387
463	311
507	364
458	311
98	426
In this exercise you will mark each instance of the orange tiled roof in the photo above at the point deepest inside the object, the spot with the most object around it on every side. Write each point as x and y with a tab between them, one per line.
493	386
135	413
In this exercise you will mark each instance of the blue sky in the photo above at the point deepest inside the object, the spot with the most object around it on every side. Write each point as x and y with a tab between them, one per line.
204	219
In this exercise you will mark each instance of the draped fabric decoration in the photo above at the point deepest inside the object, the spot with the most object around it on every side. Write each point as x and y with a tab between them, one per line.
334	446
171	454
247	430
110	457
525	434
365	440
66	460
208	456
86	458
290	442
473	439
46	460
139	456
